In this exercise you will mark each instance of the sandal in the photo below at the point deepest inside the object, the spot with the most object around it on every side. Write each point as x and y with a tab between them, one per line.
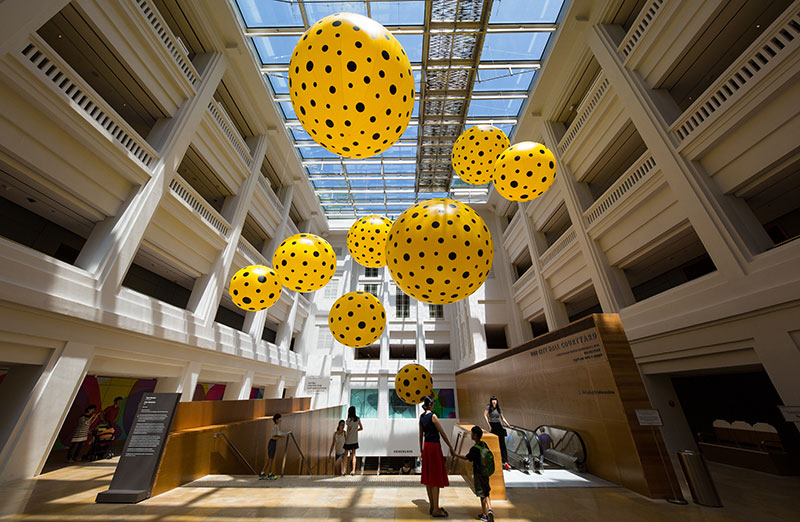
443	514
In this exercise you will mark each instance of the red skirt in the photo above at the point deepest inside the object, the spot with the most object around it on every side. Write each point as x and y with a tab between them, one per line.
434	471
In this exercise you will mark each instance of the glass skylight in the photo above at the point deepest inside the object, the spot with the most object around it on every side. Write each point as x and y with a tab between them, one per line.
515	41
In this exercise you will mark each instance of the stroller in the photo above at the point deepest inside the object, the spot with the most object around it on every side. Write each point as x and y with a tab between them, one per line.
102	437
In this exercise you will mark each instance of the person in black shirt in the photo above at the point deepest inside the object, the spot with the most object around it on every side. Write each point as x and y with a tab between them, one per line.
434	472
479	475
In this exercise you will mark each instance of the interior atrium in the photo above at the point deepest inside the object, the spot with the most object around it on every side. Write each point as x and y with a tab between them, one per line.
225	225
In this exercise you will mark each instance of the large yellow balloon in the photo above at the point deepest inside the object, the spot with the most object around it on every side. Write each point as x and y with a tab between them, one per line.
475	153
439	251
524	171
357	319
366	240
351	85
255	288
413	383
304	262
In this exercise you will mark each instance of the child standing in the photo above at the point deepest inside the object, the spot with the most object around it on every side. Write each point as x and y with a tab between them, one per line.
272	446
337	446
81	433
480	474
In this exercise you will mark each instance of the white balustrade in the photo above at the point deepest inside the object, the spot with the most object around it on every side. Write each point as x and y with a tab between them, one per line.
250	253
230	132
637	31
561	244
270	194
778	42
171	43
44	62
624	185
585	110
200	206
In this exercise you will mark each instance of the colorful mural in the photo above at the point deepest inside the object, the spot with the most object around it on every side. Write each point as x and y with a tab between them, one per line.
204	391
444	403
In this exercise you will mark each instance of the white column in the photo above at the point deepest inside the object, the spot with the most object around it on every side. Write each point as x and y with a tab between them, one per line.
19	18
610	284
502	270
275	391
239	390
43	414
112	245
283	337
780	356
383	394
208	289
555	313
676	431
728	229
183	384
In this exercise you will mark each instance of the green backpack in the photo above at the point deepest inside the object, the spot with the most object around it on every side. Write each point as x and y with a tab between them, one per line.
487	458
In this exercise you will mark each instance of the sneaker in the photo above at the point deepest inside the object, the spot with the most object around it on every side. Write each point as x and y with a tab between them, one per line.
483	518
491	516
271	476
262	476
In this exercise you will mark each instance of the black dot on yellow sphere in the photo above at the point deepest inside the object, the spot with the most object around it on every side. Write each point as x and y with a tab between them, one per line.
439	251
255	288
357	319
304	262
413	383
475	153
366	240
351	85
524	171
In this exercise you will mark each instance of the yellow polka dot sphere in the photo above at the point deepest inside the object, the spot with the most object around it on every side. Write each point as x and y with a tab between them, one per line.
475	153
357	319
366	240
413	383
255	288
524	171
304	262
439	251
351	85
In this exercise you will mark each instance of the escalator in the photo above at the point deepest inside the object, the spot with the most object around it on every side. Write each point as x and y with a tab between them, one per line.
545	447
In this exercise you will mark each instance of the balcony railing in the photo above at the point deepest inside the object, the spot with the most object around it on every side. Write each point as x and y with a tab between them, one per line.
624	185
230	132
561	244
250	253
44	62
200	206
270	194
778	42
585	110
171	43
640	27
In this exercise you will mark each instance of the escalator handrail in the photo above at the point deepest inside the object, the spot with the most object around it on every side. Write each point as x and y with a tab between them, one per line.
524	438
580	461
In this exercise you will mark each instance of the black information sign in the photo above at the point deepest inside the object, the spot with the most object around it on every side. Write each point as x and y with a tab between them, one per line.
136	471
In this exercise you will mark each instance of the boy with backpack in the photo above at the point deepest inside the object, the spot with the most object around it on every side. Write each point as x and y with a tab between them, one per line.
482	468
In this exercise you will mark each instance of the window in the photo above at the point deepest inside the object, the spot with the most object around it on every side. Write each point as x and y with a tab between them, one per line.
372	289
399	409
436	311
437	351
372	351
366	403
372	272
496	336
402	304
402	351
332	289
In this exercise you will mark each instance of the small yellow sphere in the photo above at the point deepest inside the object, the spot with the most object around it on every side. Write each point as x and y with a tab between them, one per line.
475	153
413	383
366	240
255	288
439	251
351	85
524	171
304	262
357	319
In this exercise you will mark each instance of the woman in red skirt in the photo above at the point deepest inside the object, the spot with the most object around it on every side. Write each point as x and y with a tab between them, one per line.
434	472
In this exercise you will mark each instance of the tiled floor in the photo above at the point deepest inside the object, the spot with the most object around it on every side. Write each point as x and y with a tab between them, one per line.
68	494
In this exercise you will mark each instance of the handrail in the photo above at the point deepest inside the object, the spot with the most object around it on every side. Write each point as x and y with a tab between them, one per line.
302	457
574	433
527	441
235	450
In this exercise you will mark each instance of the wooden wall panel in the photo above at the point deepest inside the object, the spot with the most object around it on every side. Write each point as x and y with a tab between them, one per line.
497	481
582	377
205	413
194	452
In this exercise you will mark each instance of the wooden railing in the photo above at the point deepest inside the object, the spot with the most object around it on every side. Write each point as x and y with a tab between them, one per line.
44	62
778	42
625	184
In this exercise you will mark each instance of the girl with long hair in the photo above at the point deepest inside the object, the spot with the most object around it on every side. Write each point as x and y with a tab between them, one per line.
351	439
495	420
434	472
337	446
